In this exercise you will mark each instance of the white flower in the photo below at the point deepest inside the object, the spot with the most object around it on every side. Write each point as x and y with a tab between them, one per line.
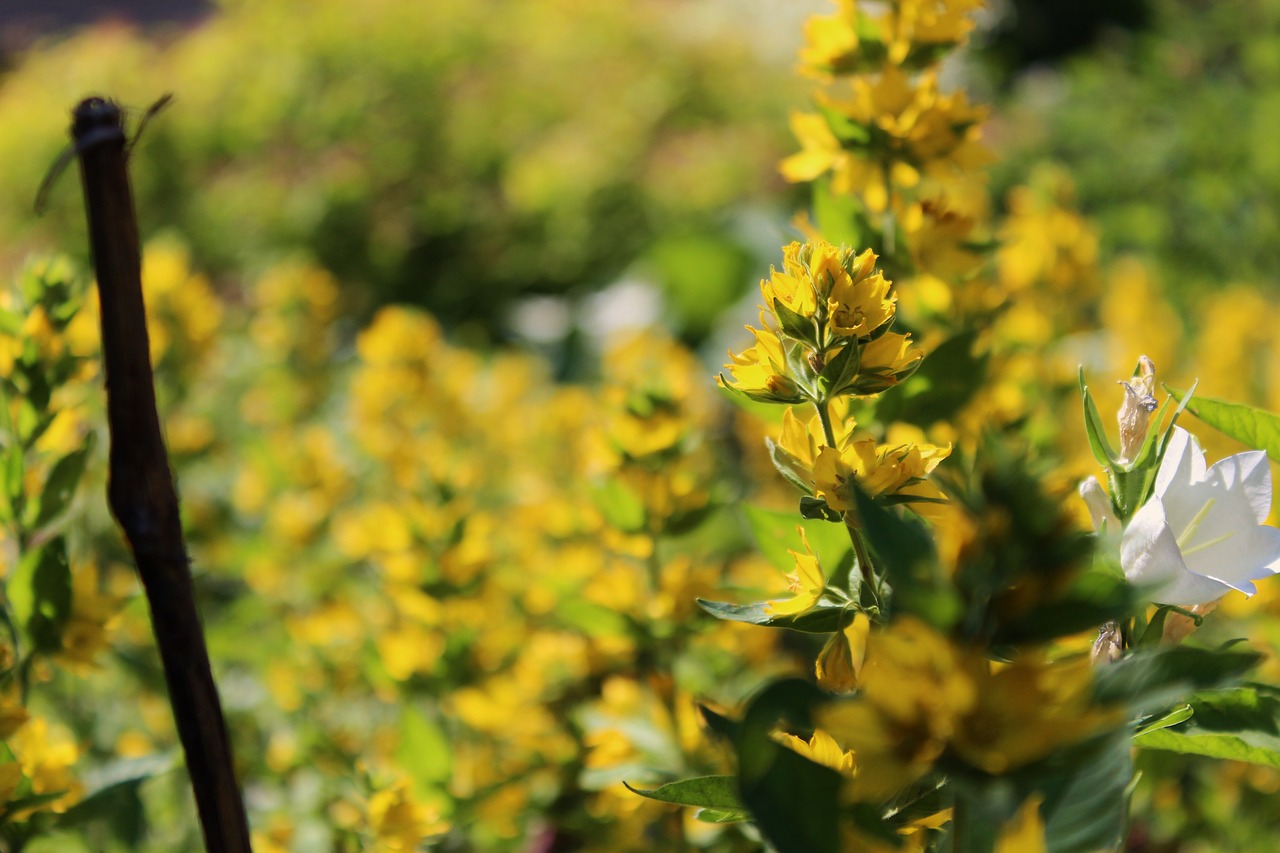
1201	533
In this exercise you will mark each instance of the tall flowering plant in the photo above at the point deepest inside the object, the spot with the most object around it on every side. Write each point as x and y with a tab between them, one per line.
958	699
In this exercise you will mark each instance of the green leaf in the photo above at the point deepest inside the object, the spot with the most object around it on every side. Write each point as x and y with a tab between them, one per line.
794	325
775	533
10	322
1095	597
841	218
14	488
711	792
1154	723
1086	807
1238	723
39	592
791	468
902	550
620	506
766	410
61	485
1151	677
822	619
424	751
719	816
1094	429
594	620
1254	427
794	802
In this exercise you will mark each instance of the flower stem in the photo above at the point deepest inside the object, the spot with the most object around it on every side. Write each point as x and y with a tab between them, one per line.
824	415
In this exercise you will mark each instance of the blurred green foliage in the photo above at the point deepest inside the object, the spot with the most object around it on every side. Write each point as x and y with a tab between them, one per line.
449	154
1171	135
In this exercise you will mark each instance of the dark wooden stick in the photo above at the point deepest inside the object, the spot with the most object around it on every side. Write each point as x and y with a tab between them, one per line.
140	487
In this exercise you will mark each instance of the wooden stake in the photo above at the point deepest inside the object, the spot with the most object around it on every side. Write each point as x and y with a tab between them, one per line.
140	487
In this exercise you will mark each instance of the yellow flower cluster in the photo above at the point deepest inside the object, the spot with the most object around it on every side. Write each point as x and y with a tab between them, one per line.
923	696
891	137
826	320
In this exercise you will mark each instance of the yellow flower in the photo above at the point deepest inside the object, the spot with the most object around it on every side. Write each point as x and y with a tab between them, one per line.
47	756
926	26
916	688
1028	709
860	305
839	664
760	371
823	749
878	469
886	361
831	41
398	822
807	583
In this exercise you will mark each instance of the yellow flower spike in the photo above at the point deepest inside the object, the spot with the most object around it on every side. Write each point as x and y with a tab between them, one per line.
808	582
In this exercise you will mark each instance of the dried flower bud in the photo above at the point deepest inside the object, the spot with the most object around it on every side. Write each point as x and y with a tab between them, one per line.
1135	411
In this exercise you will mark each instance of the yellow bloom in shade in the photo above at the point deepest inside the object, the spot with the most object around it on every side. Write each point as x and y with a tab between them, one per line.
807	583
1028	709
10	779
840	662
916	687
823	749
1025	832
12	714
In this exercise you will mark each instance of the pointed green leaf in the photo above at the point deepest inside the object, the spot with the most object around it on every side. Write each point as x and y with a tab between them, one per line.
1255	427
61	485
1239	723
1151	677
720	816
39	591
1154	723
791	469
423	751
711	792
1094	429
821	619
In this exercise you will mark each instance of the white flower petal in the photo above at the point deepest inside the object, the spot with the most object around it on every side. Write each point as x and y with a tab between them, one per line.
1250	475
1151	558
1183	462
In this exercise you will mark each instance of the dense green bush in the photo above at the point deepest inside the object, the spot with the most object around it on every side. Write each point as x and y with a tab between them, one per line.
450	154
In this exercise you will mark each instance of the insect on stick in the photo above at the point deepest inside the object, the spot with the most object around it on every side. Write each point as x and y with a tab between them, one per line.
140	488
